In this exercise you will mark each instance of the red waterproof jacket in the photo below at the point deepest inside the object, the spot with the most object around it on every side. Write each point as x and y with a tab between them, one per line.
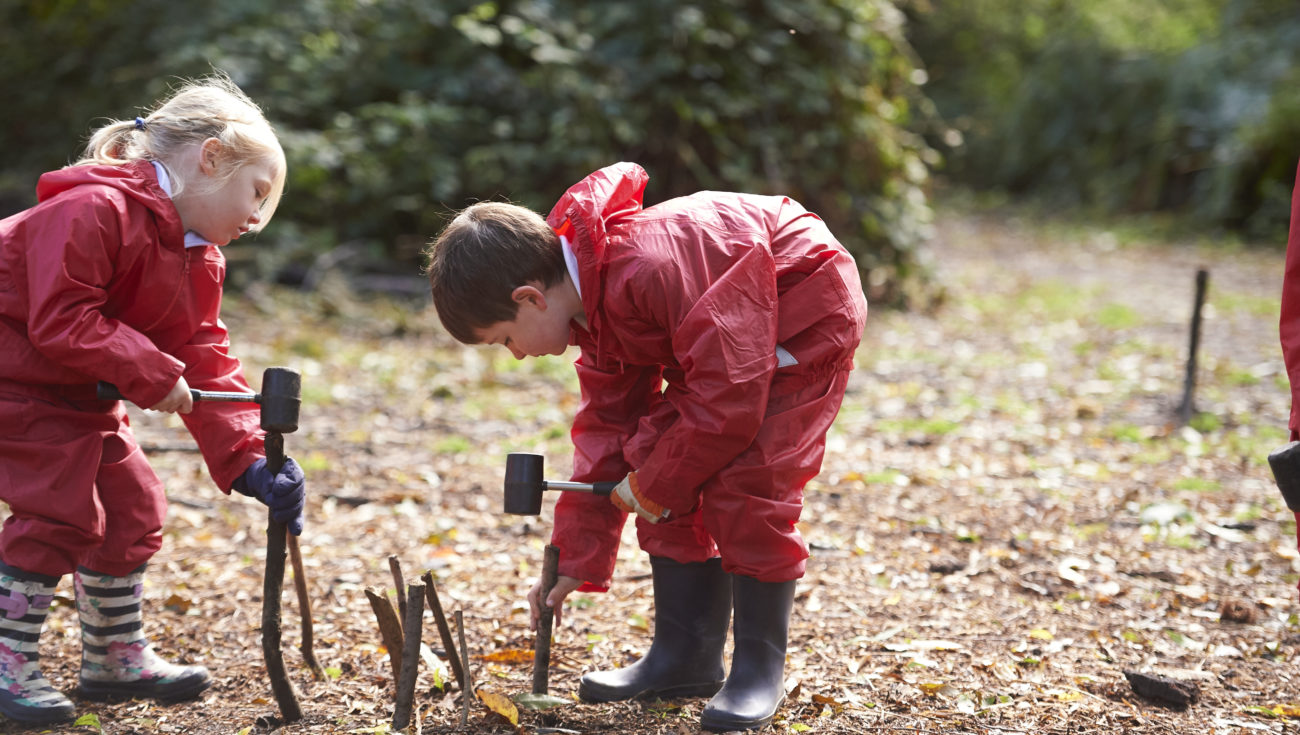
96	284
695	292
1289	326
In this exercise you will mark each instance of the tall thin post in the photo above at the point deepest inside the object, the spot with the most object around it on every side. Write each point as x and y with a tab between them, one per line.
272	586
1187	407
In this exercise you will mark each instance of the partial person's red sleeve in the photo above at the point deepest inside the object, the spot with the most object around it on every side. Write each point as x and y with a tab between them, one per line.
1289	325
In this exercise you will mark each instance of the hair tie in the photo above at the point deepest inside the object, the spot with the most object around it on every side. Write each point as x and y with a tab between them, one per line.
139	123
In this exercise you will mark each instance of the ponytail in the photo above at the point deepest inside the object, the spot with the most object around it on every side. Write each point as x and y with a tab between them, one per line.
116	143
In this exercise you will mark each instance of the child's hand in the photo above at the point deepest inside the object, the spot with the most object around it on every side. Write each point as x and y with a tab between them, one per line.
563	586
178	399
628	498
284	493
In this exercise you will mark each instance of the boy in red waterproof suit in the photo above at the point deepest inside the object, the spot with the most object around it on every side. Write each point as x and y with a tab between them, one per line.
717	332
116	275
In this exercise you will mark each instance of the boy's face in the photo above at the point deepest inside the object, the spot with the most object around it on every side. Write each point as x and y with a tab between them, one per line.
537	329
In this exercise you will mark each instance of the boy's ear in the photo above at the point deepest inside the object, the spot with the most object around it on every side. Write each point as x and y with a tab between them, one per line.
529	294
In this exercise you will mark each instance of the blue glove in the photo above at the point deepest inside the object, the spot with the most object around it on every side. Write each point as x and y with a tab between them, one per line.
284	493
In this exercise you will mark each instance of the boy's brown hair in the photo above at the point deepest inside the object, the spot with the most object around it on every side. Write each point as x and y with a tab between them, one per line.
486	252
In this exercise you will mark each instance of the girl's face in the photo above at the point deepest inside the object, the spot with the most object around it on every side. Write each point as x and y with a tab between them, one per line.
221	212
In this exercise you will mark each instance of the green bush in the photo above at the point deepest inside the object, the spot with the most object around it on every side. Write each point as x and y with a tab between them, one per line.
394	114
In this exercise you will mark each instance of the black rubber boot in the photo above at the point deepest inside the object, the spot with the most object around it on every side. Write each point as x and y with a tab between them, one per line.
755	687
692	611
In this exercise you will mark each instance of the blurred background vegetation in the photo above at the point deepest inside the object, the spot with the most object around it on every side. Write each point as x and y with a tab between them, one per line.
395	113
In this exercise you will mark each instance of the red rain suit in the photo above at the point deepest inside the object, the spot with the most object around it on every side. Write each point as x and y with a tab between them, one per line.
1289	325
96	284
686	303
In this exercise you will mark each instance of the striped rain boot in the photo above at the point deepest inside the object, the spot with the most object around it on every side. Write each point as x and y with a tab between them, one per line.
25	694
116	660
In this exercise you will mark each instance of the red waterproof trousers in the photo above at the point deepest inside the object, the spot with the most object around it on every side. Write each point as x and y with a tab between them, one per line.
748	511
97	503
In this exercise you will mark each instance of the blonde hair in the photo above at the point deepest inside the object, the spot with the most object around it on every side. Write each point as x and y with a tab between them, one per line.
211	107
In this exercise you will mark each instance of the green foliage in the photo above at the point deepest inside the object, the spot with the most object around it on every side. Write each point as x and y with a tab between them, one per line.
394	114
1190	106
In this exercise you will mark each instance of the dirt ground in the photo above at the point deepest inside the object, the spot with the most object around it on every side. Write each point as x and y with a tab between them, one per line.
1010	518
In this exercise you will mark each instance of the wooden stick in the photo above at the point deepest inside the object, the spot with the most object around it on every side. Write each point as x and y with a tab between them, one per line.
468	691
1188	407
412	625
444	632
545	622
399	584
272	587
304	609
390	629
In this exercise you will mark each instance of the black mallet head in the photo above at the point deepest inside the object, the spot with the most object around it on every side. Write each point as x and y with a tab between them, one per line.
281	398
524	484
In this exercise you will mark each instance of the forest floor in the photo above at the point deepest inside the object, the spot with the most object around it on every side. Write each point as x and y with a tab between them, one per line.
1010	517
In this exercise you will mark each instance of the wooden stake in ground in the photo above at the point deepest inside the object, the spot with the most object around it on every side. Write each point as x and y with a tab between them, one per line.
545	622
272	586
1187	408
411	628
390	629
444	632
468	691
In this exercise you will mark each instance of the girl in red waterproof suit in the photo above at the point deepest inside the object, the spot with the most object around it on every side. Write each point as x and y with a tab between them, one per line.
717	332
115	275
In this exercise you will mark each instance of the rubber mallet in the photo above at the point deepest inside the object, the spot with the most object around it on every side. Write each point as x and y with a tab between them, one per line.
524	484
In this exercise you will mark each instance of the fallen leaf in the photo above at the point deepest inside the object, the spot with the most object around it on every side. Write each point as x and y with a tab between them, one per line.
509	656
178	604
500	704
